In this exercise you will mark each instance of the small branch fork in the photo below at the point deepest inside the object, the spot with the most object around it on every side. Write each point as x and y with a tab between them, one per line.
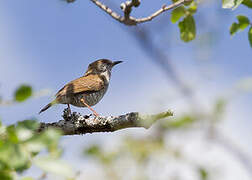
76	124
127	8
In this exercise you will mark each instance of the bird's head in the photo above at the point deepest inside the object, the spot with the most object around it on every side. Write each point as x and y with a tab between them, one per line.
101	66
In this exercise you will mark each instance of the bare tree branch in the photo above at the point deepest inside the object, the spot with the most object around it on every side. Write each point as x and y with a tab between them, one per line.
127	8
163	9
78	124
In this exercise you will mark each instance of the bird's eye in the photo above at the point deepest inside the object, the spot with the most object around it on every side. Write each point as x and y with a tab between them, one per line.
103	67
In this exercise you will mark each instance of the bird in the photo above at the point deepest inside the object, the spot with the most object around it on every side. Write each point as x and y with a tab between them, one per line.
87	90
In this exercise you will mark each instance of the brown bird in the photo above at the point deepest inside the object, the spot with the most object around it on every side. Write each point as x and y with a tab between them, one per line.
87	90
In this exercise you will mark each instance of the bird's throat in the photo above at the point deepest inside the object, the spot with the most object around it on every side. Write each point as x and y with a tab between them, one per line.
106	76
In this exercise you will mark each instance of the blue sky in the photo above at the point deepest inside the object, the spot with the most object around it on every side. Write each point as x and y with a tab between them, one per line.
48	43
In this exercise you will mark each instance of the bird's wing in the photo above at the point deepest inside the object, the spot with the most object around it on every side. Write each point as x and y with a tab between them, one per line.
83	84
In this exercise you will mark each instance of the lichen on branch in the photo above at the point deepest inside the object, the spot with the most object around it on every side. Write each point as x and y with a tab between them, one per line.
76	123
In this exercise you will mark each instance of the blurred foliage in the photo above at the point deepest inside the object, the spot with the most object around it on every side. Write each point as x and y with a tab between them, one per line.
219	109
231	3
23	93
244	84
146	151
247	3
96	152
203	173
250	36
180	122
19	145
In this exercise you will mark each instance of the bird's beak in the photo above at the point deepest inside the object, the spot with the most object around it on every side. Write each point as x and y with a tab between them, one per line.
116	62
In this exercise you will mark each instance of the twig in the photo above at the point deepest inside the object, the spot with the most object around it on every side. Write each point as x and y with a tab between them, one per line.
127	7
163	9
78	124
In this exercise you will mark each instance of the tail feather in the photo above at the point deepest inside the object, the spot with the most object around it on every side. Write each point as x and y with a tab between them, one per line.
48	106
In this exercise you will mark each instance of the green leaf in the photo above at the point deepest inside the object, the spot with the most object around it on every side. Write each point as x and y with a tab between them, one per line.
220	106
48	139
219	109
181	122
250	36
177	13
12	134
227	3
28	124
231	3
27	178
53	165
188	3
236	4
193	8
247	3
25	129
23	93
6	175
203	174
234	28
14	156
93	150
187	28
243	22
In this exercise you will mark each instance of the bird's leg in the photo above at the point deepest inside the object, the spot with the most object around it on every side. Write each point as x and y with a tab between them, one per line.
69	110
95	113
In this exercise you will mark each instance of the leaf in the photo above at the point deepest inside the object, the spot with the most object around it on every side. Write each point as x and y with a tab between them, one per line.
193	8
188	3
234	28
247	3
203	174
53	165
27	178
227	3
236	4
181	122
25	129
231	4
48	139
12	134
219	109
93	150
6	175
177	13
23	93
250	36
28	124
187	28
243	22
14	156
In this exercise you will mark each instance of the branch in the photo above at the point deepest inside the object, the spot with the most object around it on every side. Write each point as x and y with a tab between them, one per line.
127	8
163	9
78	124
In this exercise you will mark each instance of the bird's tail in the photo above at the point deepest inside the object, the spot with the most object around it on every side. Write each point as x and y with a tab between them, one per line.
48	106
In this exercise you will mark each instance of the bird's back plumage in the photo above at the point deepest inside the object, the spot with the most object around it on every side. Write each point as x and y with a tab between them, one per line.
87	83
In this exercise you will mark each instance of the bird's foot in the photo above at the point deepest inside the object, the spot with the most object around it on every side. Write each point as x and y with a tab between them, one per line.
66	114
96	114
